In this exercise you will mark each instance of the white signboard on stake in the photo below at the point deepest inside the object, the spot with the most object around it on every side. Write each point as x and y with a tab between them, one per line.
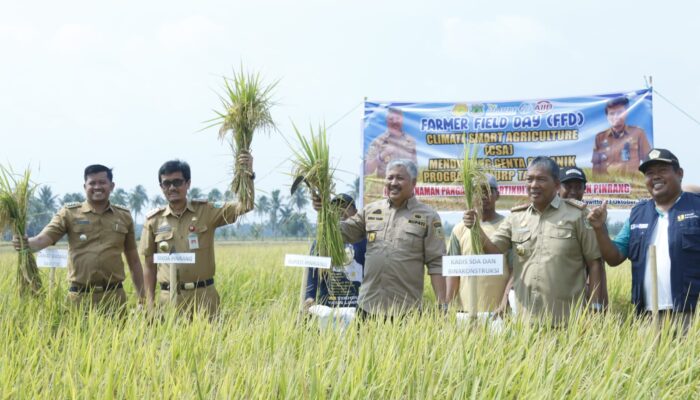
476	265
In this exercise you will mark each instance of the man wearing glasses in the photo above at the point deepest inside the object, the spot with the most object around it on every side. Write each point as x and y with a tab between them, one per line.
186	226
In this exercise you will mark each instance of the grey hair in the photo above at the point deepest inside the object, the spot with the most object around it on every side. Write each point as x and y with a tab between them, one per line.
548	163
408	164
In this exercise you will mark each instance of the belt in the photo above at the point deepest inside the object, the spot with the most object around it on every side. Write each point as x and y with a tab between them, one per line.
95	288
189	285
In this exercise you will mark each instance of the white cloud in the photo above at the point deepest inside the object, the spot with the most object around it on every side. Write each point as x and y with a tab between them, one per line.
18	34
501	36
188	32
74	38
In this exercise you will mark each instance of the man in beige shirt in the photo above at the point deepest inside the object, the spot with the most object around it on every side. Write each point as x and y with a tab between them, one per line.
491	291
553	247
98	234
403	237
186	226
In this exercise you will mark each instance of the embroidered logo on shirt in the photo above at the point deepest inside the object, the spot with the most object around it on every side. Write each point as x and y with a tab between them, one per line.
682	217
639	226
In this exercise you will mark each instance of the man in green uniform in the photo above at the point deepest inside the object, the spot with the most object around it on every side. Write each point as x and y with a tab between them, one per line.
98	233
186	226
491	291
403	237
553	247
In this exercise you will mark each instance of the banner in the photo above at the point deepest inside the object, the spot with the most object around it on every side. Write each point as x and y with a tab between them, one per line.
604	135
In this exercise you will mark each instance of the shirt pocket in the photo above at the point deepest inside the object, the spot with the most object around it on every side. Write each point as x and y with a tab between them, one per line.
562	239
205	241
82	234
167	238
690	239
411	237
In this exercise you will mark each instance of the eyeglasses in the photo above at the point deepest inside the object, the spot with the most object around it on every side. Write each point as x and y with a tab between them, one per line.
175	183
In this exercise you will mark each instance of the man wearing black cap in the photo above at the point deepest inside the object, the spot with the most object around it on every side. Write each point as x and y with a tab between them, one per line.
620	148
573	186
573	183
671	222
340	286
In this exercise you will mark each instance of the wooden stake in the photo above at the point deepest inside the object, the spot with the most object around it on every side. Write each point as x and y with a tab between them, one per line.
654	284
473	297
52	278
173	283
302	290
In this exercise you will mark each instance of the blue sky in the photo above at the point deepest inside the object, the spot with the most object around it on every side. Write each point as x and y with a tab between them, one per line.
128	84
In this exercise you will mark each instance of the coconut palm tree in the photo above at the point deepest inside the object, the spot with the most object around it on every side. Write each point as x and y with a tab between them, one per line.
275	205
137	200
299	198
119	196
196	193
158	201
215	195
263	206
75	198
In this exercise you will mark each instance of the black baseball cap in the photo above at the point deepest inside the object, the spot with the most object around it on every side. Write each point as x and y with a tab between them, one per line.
343	200
572	173
659	155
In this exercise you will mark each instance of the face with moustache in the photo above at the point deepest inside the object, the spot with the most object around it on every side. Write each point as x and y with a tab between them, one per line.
174	187
541	186
399	185
663	182
98	187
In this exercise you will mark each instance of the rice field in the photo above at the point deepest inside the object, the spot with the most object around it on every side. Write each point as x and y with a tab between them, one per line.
259	348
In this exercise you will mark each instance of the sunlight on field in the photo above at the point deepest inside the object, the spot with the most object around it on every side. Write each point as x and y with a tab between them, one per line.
259	350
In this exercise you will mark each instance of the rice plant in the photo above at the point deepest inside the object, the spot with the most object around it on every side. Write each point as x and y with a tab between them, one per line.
15	193
246	103
475	187
312	166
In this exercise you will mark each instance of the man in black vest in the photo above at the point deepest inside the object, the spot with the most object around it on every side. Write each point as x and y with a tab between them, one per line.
671	222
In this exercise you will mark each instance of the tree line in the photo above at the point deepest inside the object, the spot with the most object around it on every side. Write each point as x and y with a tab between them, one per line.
275	215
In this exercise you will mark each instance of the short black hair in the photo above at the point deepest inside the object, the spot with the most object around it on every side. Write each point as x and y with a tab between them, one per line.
96	169
618	101
546	162
172	166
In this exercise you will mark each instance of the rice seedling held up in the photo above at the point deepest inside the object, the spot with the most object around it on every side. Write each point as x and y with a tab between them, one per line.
14	203
312	166
475	187
246	109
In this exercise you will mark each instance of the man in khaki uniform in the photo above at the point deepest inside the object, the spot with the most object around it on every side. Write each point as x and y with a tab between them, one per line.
403	236
553	246
394	144
620	148
98	233
492	291
186	226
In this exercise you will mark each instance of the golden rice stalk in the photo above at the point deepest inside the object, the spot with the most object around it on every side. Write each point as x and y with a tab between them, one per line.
312	166
15	194
246	105
475	187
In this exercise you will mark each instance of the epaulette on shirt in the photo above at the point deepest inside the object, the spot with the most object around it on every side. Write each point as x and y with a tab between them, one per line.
73	204
521	207
121	207
153	212
578	204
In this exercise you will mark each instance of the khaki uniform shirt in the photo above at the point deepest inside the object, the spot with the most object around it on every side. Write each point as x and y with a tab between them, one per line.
400	242
620	154
490	289
95	241
165	232
403	147
549	250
